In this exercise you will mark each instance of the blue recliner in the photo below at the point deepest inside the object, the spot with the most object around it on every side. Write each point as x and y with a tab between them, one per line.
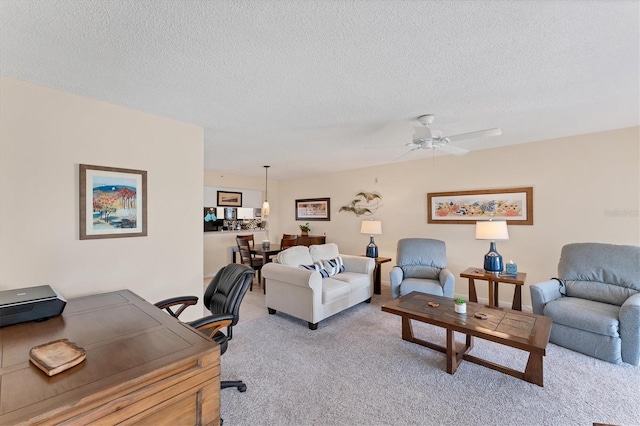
595	302
421	266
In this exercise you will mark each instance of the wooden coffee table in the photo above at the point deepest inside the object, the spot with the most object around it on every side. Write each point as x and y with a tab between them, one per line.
524	331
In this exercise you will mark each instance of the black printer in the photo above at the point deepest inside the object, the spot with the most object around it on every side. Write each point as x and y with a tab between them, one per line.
29	304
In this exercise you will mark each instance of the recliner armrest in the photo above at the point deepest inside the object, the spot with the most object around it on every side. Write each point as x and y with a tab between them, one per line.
543	293
395	278
447	281
629	317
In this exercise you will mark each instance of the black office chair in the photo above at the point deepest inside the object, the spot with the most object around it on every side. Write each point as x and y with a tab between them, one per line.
222	297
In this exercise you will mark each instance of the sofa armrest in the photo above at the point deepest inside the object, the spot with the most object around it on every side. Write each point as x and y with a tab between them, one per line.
292	275
447	281
395	278
630	330
358	264
543	293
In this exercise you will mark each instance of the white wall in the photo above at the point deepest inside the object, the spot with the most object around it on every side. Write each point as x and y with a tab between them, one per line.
44	135
577	182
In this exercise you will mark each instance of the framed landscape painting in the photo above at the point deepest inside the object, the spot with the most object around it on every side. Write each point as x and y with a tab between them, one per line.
313	209
113	202
229	199
515	205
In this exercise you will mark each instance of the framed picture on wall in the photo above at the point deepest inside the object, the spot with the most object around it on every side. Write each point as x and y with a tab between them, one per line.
515	205
229	199
313	209
113	202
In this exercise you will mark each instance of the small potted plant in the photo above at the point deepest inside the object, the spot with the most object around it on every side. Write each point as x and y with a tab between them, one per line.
460	305
304	229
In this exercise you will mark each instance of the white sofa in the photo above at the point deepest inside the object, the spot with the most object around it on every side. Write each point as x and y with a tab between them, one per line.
305	294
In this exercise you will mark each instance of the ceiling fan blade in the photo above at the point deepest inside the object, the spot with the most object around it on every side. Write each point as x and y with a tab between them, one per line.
405	153
451	149
388	146
475	135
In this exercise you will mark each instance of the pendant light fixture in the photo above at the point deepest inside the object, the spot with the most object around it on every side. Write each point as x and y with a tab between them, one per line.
265	205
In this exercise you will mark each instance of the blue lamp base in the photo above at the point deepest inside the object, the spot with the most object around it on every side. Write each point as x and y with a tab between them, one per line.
372	248
493	260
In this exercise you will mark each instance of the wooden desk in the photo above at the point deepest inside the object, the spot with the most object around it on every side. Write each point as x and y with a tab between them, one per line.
143	366
377	276
493	280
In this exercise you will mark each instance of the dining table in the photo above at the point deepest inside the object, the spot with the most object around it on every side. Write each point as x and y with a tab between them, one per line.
258	250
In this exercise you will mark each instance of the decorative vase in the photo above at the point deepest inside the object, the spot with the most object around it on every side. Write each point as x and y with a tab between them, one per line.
460	308
304	233
372	248
492	260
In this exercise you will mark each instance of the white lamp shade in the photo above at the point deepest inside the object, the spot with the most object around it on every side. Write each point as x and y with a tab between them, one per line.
265	208
492	230
372	227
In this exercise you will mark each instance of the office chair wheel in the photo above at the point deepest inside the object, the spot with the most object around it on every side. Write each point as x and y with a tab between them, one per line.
238	384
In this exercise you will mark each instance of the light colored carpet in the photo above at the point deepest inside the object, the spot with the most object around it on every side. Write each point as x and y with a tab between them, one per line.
356	370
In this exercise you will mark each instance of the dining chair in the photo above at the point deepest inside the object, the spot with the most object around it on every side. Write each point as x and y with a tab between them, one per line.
248	258
288	240
252	246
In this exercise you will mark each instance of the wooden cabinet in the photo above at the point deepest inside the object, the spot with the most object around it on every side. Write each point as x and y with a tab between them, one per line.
308	240
142	367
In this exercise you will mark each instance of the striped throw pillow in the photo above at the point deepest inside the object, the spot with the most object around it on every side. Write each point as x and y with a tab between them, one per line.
317	266
334	266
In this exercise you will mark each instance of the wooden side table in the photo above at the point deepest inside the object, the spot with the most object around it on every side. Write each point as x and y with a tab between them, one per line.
377	279
479	274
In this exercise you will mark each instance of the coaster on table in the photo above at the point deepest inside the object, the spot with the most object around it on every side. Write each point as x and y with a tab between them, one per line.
481	316
433	304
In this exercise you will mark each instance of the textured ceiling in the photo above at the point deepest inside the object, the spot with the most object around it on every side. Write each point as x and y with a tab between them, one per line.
311	87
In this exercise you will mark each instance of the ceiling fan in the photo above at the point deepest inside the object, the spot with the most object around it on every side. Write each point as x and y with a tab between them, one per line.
427	138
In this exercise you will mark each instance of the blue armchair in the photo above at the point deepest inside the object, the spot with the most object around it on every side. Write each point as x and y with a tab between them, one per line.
595	302
421	266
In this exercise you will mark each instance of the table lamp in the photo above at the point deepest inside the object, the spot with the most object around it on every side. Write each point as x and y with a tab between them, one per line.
371	227
492	230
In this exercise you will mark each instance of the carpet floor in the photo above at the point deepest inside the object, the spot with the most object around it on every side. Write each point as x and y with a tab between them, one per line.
356	370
